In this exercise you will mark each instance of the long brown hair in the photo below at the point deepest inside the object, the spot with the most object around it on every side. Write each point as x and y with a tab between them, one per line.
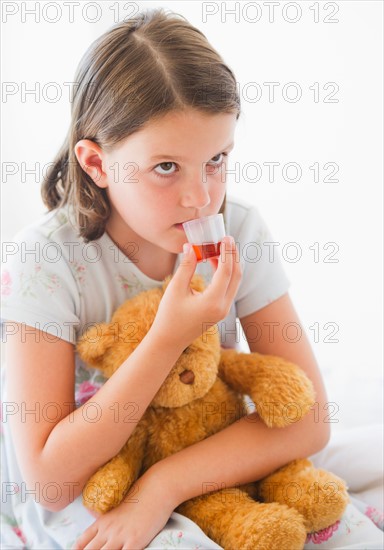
141	68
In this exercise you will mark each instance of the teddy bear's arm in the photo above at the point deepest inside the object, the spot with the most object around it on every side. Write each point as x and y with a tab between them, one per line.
280	390
109	485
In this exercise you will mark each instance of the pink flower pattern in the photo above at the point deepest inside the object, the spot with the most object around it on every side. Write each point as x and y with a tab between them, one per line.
6	283
173	539
85	391
19	533
14	526
323	535
28	283
376	516
79	271
132	286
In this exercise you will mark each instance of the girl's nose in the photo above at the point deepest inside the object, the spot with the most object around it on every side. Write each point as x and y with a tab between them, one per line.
196	194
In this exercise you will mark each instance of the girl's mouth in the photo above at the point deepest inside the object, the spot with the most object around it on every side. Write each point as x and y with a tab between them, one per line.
180	225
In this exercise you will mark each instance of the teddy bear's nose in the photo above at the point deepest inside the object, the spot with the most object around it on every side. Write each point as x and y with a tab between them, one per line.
187	377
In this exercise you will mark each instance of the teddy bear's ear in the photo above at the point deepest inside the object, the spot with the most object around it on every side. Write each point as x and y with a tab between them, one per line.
197	282
166	282
94	342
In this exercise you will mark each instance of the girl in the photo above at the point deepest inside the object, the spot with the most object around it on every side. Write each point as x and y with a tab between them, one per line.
153	120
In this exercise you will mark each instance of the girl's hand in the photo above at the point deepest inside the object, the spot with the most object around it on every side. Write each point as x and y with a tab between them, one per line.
185	314
135	522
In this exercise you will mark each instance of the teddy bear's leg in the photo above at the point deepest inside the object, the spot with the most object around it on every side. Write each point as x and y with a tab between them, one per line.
319	496
235	521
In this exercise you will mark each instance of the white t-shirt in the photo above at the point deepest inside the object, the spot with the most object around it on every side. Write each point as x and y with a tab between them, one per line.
53	281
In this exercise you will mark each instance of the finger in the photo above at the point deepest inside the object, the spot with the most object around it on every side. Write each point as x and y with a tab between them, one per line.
184	273
84	539
97	543
236	275
222	276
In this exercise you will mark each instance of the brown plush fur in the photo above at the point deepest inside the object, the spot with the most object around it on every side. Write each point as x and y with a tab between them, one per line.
294	500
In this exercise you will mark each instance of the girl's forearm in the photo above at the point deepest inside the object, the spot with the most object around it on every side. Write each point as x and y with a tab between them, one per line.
95	432
244	452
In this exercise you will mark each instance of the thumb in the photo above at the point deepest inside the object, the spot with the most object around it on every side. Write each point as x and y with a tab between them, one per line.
184	273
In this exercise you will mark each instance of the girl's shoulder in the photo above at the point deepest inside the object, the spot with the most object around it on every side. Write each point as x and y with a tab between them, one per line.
55	226
242	218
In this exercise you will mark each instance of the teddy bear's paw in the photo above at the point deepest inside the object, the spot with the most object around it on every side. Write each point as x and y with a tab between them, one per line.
107	487
278	413
319	496
282	393
103	495
235	521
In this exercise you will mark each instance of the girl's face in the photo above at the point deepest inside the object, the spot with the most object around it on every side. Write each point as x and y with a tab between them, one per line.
170	171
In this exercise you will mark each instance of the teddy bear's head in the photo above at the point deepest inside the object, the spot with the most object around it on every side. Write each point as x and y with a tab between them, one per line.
106	346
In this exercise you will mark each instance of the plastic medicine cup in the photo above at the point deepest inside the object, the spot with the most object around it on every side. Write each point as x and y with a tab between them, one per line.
205	235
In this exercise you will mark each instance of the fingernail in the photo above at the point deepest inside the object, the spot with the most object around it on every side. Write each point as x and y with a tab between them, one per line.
186	248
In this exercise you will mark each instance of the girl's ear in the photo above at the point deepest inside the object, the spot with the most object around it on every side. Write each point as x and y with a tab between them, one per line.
90	157
95	342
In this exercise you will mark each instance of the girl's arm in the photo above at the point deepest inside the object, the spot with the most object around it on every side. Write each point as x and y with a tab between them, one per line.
57	445
59	448
248	450
245	451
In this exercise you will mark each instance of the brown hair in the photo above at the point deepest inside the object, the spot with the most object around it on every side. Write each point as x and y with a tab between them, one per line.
141	68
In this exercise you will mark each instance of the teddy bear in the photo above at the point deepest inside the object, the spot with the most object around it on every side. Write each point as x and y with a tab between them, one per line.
203	393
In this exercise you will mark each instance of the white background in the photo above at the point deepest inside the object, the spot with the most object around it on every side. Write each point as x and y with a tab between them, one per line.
343	47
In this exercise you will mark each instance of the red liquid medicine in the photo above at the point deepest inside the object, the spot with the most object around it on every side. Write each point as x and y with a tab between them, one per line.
206	250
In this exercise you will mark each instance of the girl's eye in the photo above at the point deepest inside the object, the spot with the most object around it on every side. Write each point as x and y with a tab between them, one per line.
166	168
215	163
218	158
